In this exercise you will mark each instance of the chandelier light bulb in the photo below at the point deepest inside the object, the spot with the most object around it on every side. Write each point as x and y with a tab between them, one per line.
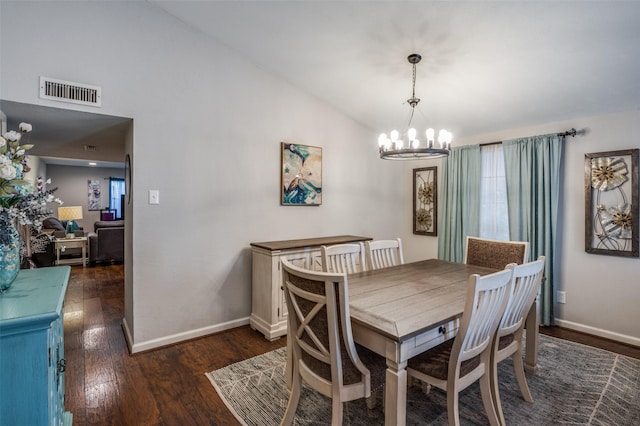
399	144
394	135
431	135
411	133
442	136
382	139
415	143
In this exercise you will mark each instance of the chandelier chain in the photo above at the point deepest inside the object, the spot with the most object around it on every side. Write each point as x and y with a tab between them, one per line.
413	95
413	101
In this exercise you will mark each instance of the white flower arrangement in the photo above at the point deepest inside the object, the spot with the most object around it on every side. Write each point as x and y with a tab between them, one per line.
19	200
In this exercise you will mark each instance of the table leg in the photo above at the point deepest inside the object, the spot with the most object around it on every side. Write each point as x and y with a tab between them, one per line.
395	398
84	255
531	349
57	254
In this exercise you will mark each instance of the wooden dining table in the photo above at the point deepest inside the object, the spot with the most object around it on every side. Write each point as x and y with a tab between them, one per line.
404	310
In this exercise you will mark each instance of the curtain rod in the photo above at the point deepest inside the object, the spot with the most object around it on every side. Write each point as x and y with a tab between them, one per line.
571	132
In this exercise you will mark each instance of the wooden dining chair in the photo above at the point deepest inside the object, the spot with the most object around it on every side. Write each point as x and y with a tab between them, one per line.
343	258
324	354
508	339
496	254
457	363
383	253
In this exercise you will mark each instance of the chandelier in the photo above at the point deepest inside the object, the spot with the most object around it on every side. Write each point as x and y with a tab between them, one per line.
395	148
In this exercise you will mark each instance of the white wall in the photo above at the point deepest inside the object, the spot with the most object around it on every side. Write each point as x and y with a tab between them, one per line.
207	132
603	292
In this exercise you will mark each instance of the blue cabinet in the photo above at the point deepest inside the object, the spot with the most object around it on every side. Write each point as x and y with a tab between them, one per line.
32	360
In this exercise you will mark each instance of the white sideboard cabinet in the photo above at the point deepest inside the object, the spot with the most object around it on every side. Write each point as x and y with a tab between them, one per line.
268	306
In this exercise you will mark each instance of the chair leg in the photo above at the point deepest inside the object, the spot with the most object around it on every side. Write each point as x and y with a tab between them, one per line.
487	401
294	398
336	411
518	367
414	381
495	390
452	406
371	402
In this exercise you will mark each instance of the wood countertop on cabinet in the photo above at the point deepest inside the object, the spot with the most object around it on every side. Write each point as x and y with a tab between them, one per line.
309	242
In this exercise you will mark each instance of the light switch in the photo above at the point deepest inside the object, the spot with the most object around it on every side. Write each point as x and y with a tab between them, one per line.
154	196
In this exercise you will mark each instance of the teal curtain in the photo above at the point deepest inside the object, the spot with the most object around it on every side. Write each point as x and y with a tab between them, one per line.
532	167
459	201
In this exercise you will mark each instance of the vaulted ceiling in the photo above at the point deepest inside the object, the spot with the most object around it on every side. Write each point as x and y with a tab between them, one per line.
486	66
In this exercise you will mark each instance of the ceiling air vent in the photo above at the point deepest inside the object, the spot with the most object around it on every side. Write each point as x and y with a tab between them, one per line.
67	91
90	148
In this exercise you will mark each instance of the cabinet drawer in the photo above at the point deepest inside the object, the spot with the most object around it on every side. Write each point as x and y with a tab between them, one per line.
434	337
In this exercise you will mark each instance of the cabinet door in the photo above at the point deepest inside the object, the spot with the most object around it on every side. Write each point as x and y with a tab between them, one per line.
315	260
57	366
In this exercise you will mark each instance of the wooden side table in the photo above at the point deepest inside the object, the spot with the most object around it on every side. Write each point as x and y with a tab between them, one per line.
76	242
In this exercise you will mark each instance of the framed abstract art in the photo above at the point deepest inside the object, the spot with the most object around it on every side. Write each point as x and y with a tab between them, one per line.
425	201
301	179
611	203
93	193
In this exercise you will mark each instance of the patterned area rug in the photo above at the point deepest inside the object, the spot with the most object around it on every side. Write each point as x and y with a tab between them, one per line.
575	385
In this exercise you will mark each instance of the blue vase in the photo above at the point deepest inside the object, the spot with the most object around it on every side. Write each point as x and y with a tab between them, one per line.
9	252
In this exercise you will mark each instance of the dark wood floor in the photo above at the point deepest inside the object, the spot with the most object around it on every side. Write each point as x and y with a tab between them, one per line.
107	386
588	339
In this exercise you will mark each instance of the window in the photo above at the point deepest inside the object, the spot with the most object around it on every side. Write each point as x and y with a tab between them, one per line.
116	191
494	217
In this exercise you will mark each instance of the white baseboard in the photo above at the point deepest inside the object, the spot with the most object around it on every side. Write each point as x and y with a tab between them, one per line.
179	337
599	332
127	334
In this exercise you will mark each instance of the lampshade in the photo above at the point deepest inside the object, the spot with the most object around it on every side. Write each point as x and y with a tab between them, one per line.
70	213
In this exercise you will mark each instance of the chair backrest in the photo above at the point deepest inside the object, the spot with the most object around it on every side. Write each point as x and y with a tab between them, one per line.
485	303
495	254
383	253
343	258
320	331
527	280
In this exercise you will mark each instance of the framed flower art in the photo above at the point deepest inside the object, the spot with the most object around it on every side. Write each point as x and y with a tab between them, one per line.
611	203
425	201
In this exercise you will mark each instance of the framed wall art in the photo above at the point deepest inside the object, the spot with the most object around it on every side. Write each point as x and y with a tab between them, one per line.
301	179
611	203
93	192
425	201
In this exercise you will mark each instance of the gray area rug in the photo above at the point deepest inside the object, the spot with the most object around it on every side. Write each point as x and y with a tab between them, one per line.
574	385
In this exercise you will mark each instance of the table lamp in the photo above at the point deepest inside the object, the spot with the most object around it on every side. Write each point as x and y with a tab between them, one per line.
70	214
